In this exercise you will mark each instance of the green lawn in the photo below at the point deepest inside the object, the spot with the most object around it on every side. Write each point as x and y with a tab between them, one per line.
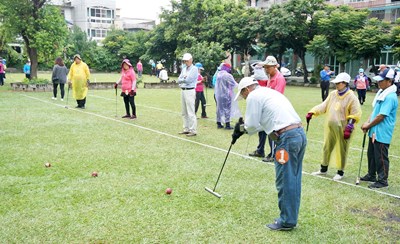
137	160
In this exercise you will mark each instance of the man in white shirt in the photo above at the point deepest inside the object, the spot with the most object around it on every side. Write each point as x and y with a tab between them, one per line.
272	112
187	81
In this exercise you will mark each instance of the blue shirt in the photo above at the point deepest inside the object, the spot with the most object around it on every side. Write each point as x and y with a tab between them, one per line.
27	69
324	75
384	130
188	77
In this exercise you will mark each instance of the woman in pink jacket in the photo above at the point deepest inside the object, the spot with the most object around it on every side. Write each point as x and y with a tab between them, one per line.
128	88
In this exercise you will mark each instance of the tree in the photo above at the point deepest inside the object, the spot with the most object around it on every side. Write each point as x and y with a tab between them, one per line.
395	38
41	26
210	23
338	25
370	40
292	26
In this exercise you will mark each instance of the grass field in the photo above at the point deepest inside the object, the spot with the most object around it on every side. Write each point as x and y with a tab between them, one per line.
137	160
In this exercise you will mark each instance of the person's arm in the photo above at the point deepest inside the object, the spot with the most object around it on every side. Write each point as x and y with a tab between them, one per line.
53	75
87	72
367	125
253	117
191	76
182	76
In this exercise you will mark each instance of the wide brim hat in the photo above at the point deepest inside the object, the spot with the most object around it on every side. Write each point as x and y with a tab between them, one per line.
126	61
77	56
269	61
342	77
245	82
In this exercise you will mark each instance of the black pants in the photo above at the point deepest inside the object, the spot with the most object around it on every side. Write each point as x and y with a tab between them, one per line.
324	89
200	98
262	138
378	160
81	103
2	76
361	95
130	100
55	85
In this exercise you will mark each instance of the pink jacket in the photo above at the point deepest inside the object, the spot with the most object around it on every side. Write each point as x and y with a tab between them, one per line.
128	80
139	66
199	85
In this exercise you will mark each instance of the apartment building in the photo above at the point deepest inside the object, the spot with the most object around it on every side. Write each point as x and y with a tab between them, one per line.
97	17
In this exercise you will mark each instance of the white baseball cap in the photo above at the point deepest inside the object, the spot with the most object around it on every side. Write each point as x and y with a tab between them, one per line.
187	56
270	60
342	77
245	82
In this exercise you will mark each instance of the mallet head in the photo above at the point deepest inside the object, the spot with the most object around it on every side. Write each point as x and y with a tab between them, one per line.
213	192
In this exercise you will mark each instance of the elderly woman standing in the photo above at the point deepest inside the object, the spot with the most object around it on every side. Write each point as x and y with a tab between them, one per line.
227	108
78	78
59	77
128	88
342	111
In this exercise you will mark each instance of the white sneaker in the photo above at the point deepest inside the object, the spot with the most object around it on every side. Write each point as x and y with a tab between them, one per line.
337	177
318	173
62	100
54	98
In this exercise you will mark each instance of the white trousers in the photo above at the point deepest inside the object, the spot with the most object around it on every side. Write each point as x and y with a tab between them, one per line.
188	98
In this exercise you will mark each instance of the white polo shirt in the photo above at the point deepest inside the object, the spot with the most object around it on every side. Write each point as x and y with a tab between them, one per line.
268	110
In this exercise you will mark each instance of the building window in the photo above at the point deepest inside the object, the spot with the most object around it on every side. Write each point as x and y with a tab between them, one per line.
379	14
98	33
395	15
101	15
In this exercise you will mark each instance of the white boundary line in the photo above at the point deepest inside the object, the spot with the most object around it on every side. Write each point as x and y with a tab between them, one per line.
202	144
169	111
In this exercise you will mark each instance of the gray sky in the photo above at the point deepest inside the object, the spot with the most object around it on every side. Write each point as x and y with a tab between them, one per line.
147	9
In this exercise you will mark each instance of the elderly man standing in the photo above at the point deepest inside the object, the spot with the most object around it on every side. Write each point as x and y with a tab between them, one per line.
271	111
277	82
187	81
78	77
380	126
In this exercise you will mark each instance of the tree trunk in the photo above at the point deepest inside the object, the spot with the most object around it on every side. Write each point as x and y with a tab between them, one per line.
342	68
32	53
303	61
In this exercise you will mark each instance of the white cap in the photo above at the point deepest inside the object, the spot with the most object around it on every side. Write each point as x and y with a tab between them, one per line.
245	82
187	56
270	60
342	77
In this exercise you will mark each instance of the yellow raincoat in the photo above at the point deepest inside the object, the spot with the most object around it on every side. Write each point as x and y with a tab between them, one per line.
338	109
79	75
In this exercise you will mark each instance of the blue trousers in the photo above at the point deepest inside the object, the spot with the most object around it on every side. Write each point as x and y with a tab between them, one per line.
289	154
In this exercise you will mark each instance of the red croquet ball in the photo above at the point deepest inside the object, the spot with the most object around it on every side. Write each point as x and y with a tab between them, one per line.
168	191
95	174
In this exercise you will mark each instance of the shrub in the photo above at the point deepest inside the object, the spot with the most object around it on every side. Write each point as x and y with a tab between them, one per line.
313	80
36	81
